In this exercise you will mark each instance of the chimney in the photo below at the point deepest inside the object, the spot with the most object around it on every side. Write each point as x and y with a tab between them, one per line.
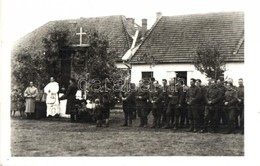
144	27
130	21
158	15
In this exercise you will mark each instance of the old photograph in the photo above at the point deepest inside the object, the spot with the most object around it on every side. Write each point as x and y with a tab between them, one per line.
126	79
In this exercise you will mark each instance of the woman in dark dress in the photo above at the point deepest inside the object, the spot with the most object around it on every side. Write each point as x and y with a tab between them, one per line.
70	95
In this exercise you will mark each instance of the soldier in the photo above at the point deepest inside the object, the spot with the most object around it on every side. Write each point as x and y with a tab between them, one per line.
128	97
212	98
150	85
202	102
155	97
141	97
240	99
192	99
164	101
172	112
230	101
223	118
230	80
181	101
184	110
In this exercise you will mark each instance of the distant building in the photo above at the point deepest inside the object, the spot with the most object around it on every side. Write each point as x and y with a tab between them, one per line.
168	48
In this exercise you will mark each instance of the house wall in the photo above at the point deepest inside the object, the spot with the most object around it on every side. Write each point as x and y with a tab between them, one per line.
161	71
235	71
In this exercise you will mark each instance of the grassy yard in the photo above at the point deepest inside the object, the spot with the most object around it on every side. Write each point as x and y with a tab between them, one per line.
59	137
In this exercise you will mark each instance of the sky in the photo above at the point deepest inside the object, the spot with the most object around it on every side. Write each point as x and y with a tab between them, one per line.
23	16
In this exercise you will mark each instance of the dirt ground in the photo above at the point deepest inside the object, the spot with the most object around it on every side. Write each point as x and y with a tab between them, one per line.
59	137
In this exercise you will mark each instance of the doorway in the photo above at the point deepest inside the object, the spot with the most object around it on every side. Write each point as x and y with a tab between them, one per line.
183	75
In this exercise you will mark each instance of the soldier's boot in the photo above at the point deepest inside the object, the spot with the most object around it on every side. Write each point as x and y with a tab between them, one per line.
231	128
188	123
172	122
158	123
204	128
229	131
134	115
145	122
71	117
167	123
154	123
125	124
176	126
141	122
196	126
215	127
176	123
98	123
242	128
130	123
191	128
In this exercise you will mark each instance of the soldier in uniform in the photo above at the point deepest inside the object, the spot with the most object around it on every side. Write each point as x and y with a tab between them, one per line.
240	99
212	98
230	80
230	101
223	118
155	96
180	106
141	98
172	113
184	111
128	97
202	102
192	100
150	85
164	101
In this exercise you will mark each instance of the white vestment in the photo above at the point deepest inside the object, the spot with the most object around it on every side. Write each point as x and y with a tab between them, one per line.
52	99
63	104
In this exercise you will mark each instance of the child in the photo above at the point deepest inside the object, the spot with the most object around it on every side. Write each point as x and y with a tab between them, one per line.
106	109
98	111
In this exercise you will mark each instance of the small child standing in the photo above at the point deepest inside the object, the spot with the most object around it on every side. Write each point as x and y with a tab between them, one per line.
98	112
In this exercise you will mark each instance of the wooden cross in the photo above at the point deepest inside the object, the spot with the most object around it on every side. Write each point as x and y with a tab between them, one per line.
80	35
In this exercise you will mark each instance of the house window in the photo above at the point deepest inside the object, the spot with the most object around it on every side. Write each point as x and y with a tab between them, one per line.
147	75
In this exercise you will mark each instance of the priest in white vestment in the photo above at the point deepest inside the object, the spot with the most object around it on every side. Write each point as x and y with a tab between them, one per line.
52	100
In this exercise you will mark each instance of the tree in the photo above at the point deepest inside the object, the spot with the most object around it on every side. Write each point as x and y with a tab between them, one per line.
26	66
209	61
55	40
29	64
37	66
101	71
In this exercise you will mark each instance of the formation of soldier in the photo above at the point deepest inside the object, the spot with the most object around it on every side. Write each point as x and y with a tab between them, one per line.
198	108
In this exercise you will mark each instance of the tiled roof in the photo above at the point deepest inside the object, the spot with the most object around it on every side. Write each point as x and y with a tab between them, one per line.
116	28
176	38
